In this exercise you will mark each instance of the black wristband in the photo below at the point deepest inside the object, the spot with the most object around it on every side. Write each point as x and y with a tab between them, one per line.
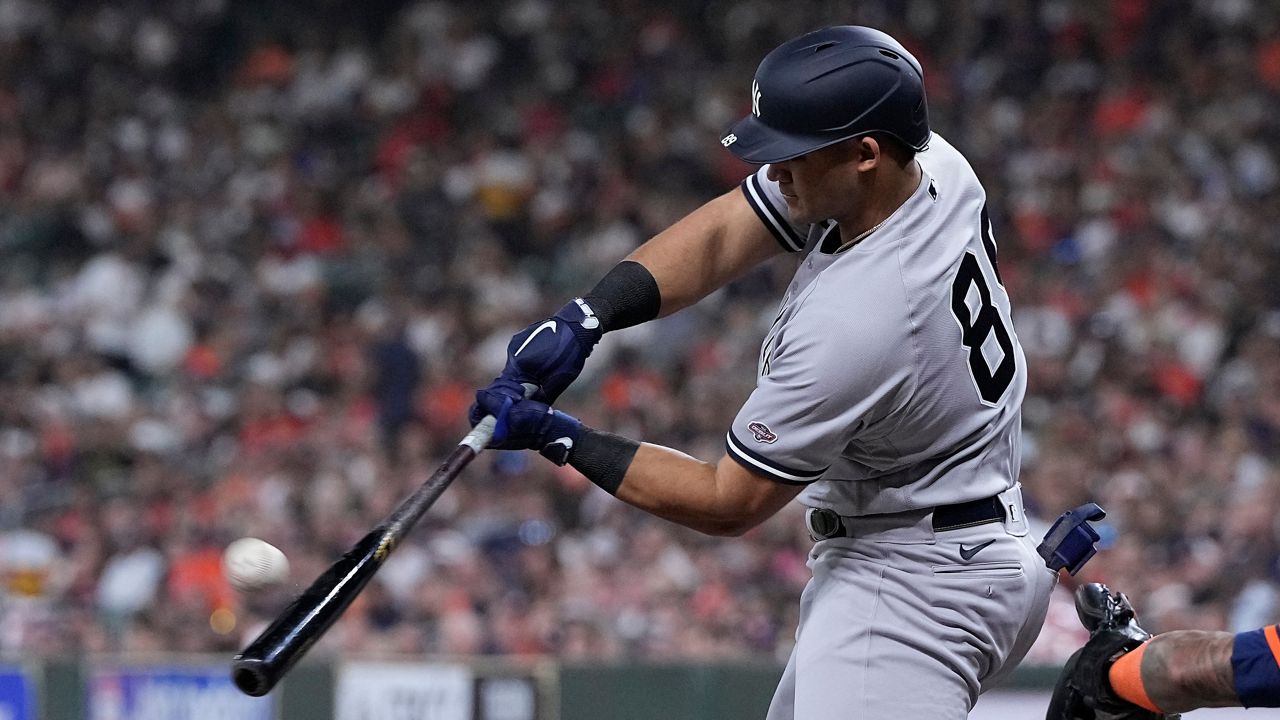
603	458
627	295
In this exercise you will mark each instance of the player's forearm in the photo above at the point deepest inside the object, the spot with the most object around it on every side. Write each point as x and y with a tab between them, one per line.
680	488
705	251
722	499
1188	669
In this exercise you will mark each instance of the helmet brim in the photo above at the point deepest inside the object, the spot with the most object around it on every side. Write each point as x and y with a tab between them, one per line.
755	142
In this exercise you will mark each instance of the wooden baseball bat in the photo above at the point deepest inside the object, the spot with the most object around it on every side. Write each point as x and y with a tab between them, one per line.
260	666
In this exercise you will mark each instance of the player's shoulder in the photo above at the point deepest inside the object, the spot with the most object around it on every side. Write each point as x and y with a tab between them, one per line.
940	149
944	161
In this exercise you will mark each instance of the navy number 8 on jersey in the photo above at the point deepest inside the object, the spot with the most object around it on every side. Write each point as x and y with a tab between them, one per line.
979	325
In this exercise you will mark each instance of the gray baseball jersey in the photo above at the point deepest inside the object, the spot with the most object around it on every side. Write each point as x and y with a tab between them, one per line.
892	378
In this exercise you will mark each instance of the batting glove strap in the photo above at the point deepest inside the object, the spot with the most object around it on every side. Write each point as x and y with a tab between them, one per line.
603	458
550	354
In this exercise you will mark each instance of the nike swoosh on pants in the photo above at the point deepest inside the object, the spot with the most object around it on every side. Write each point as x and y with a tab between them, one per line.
968	553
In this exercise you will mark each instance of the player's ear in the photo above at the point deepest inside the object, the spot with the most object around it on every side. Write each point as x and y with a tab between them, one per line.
867	152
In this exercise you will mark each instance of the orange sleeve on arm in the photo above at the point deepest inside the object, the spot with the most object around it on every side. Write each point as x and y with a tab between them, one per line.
1126	679
1273	641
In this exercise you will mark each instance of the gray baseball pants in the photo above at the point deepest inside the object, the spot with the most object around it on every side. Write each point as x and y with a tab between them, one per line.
896	625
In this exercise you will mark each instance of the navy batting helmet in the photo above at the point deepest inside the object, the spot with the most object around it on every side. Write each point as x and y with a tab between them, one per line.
831	85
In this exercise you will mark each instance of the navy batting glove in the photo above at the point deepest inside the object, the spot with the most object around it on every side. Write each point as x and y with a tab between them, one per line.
551	353
526	423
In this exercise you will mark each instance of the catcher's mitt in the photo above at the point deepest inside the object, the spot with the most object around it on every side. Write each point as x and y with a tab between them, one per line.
1083	691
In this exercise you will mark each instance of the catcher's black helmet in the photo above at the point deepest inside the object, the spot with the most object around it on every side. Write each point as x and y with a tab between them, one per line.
831	85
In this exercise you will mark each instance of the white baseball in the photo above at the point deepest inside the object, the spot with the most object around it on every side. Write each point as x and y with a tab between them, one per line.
251	564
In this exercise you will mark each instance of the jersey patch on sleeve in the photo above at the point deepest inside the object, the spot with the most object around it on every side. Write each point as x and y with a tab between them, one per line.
777	223
762	465
762	432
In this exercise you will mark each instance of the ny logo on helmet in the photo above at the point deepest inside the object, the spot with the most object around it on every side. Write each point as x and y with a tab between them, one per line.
755	98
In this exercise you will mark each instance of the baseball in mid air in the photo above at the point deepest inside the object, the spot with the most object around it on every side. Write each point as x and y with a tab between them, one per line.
250	564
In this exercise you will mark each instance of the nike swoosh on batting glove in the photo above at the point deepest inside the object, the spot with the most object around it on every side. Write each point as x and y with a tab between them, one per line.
550	354
526	424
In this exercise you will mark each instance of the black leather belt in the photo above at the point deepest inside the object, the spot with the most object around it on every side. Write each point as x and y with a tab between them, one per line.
967	514
824	523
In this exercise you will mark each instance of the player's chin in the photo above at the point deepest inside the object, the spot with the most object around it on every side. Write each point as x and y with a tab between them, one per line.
797	210
802	216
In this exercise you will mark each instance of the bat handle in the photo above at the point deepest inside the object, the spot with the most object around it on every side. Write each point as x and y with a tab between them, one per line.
482	433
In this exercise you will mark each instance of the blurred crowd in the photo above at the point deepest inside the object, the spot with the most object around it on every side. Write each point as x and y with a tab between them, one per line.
255	258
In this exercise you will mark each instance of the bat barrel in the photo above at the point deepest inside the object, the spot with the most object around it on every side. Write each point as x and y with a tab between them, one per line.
251	675
261	665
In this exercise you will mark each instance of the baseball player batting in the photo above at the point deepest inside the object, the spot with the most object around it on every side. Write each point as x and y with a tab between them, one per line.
888	393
